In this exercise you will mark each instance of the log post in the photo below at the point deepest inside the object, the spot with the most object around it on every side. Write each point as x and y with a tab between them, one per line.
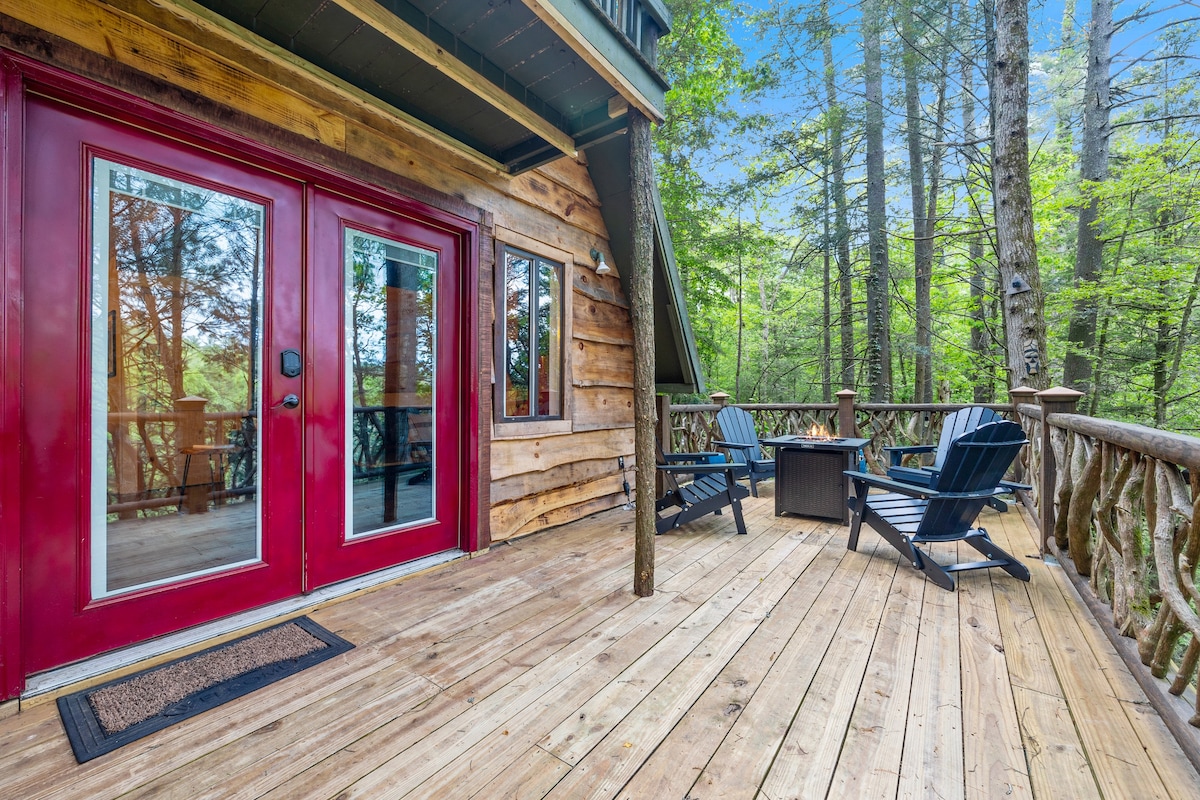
193	485
1058	400
664	437
641	304
1018	396
847	426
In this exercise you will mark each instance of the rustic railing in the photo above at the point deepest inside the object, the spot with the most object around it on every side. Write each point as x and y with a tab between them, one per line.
1122	518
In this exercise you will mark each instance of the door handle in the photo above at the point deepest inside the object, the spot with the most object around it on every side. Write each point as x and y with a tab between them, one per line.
290	401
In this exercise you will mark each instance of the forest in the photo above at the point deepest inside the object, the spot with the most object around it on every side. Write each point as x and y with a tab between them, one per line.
843	187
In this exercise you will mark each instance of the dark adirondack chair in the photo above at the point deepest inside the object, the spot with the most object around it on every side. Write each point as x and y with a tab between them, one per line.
908	515
741	440
713	487
956	424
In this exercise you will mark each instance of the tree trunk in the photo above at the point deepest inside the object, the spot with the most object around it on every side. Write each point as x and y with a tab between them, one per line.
841	222
1016	252
879	368
1093	169
641	302
922	246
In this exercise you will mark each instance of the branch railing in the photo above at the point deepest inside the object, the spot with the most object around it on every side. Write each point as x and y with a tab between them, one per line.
1118	505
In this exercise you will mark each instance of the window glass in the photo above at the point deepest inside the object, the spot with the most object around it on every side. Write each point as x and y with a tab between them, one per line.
533	333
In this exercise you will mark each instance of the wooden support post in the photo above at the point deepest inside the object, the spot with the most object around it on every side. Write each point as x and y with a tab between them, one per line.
1058	400
847	426
664	437
1018	396
193	485
641	304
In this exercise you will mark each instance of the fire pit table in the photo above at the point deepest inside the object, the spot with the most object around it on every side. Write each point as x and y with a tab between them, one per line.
809	477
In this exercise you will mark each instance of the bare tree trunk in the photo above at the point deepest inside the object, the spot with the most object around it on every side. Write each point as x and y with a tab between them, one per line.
879	367
1093	169
841	223
641	302
922	246
1016	254
826	299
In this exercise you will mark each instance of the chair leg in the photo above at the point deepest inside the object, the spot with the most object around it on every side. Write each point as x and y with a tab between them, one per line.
933	570
737	513
993	552
857	504
753	483
998	504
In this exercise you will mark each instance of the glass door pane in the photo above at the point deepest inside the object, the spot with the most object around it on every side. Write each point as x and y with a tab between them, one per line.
176	295
390	369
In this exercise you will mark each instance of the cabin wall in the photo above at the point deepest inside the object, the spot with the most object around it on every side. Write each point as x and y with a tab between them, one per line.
192	62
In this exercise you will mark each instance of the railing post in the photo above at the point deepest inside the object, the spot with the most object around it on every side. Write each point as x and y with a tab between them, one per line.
194	485
846	424
1058	400
1018	396
720	398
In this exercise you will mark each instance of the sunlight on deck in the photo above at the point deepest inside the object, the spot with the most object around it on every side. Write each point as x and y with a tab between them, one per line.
773	665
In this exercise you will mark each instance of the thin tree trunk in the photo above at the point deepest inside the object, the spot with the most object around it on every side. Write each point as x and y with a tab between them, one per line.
922	247
879	377
641	302
1024	320
1093	169
841	223
826	299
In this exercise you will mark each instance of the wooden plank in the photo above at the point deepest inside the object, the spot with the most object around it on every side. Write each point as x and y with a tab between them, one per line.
933	743
1178	776
602	364
408	37
601	322
532	776
993	750
709	600
614	760
561	503
808	755
583	730
517	486
1058	765
516	456
125	38
672	768
874	741
584	667
602	407
741	763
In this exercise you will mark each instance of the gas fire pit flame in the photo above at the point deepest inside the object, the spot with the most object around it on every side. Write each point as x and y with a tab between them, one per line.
819	432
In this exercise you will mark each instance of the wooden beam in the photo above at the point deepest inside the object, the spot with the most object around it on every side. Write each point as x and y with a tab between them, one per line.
641	303
423	48
548	14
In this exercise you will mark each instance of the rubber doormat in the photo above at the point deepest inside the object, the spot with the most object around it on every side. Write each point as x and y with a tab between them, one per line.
102	718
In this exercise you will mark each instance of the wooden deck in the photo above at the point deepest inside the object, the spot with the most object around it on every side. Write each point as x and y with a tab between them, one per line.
768	666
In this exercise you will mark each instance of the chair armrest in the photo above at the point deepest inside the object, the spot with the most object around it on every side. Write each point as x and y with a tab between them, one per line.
1013	486
897	454
911	490
735	445
697	469
920	477
702	457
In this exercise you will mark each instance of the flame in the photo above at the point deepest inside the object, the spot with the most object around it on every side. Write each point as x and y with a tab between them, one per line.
819	432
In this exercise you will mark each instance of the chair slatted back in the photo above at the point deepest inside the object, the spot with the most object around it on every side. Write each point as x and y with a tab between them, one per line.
958	423
975	461
737	426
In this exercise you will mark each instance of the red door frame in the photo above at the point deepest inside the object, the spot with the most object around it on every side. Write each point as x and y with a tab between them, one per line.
12	676
19	73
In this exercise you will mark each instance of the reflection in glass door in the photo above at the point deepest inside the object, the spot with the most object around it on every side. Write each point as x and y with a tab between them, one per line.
390	372
176	310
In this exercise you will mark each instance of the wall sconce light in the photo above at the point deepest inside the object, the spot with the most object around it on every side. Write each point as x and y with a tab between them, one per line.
601	267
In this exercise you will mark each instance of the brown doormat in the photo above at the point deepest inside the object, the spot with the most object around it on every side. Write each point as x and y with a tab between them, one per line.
102	718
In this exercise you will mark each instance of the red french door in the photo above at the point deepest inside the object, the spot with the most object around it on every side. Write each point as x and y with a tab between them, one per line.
237	386
385	479
163	434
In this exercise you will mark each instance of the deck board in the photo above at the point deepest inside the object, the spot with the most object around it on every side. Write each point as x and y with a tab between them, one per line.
772	665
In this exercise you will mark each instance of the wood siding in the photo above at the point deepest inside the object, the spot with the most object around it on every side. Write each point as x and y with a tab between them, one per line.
188	60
